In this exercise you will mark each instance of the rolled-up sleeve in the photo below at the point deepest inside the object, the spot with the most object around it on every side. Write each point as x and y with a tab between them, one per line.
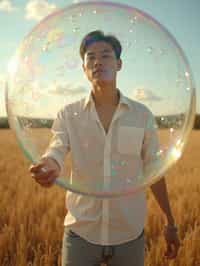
59	144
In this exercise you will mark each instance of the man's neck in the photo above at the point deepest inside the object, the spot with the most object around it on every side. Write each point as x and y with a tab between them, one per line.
105	96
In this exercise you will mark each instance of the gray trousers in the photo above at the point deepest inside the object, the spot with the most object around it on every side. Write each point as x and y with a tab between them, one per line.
78	252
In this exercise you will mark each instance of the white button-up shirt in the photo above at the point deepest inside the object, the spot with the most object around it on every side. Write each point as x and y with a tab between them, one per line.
98	160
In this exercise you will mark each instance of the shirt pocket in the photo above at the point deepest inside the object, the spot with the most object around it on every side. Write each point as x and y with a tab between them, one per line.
130	140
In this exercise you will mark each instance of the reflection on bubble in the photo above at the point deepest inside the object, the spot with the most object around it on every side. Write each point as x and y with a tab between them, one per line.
187	74
133	20
76	29
149	49
163	51
176	153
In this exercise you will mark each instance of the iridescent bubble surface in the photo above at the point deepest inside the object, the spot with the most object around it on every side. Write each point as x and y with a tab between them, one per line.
46	74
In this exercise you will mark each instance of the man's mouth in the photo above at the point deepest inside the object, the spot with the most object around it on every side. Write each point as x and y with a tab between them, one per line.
98	71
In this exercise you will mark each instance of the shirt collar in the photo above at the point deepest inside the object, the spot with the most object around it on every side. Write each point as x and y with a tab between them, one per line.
123	100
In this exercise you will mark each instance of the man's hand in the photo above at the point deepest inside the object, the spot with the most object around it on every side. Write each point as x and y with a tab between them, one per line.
45	172
172	241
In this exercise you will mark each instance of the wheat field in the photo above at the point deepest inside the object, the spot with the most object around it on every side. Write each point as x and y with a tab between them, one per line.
31	217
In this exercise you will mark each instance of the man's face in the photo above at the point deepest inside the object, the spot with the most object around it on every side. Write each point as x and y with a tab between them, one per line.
100	63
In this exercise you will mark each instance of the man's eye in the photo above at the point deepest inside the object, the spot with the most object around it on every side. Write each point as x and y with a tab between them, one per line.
105	56
91	58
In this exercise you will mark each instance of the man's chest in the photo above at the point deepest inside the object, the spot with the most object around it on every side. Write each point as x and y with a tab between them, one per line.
105	115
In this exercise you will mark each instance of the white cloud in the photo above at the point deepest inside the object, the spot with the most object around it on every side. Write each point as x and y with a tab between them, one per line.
38	9
6	5
67	89
77	1
142	94
81	1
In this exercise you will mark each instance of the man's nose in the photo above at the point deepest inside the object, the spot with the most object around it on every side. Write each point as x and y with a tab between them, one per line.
98	62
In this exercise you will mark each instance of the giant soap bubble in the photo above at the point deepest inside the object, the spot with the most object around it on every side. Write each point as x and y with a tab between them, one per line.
46	74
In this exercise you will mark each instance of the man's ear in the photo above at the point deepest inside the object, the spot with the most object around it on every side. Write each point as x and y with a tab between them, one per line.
83	67
119	64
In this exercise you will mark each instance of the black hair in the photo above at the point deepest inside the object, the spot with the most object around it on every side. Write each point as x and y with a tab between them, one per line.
96	36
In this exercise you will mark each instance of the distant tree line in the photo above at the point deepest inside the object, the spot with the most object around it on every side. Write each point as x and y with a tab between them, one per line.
162	121
197	122
4	122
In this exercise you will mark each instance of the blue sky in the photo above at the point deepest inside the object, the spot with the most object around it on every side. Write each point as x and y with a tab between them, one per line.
180	17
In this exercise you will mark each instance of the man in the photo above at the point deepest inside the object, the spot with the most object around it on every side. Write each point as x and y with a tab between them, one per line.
109	230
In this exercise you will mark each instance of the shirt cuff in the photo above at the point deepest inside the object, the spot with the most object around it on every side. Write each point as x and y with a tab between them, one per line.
56	156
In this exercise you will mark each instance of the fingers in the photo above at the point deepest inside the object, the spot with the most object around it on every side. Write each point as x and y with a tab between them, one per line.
172	250
34	168
172	241
45	179
42	175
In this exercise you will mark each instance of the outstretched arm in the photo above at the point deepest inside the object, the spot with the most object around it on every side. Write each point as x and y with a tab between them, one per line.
52	161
